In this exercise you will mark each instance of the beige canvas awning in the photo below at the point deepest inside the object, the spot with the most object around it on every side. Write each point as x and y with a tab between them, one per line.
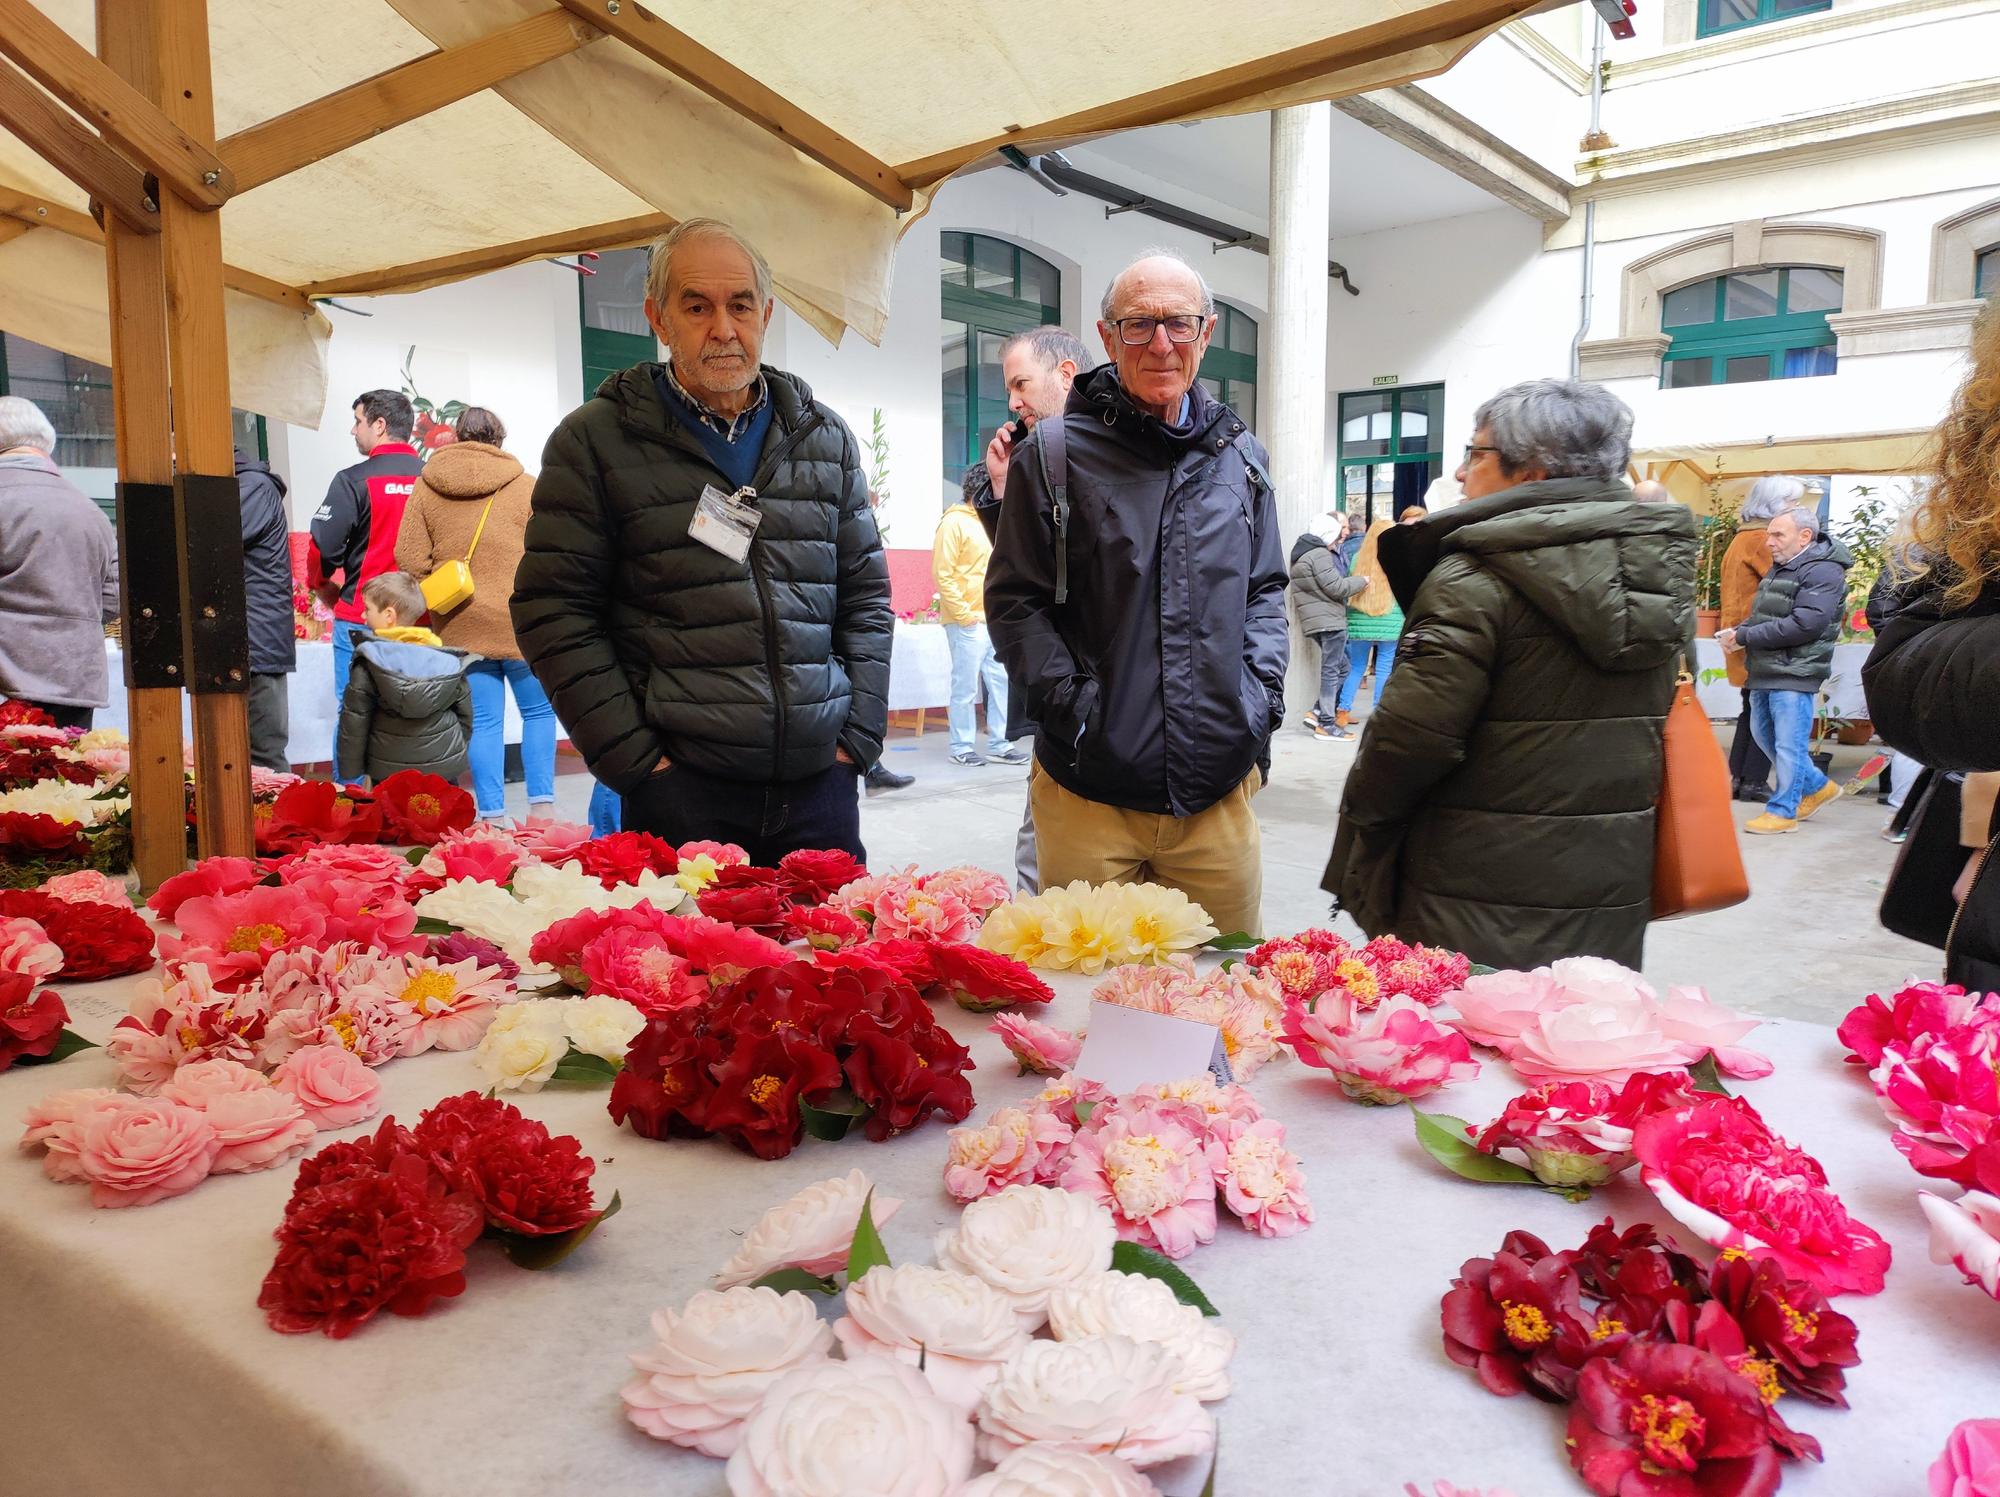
1867	452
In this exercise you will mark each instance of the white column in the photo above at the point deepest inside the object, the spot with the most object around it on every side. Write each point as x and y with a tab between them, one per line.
1291	372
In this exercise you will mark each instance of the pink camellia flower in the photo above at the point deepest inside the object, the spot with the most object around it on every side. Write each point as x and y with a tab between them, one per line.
138	1150
637	965
1970	1464
918	914
478	859
189	1019
1494	1007
452	1003
26	950
1591	977
1064	1094
356	912
209	876
233	935
1922	1008
1386	1054
1212	1104
1735	1184
1580	1132
1688	1016
88	886
356	1005
111	764
334	1086
1013	1147
1946	1083
858	898
381	870
980	891
1148	1166
1161	988
550	841
1260	1179
55	1124
198	1081
722	854
1041	1049
257	1130
1966	1234
1607	1039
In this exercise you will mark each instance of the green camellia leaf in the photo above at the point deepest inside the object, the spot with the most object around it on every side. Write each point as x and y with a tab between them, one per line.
866	1251
1083	1112
1443	1138
416	855
834	1115
1130	1257
430	925
581	1065
796	1281
1706	1077
1236	940
544	1252
67	1045
1480	969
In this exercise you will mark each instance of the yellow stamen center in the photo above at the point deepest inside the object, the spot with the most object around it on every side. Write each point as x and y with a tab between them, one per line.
253	937
431	992
1763	1375
425	806
1525	1325
1607	1328
1666	1428
1803	1324
762	1089
346	1029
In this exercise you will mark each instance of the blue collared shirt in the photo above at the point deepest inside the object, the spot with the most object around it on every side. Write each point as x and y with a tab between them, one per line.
727	427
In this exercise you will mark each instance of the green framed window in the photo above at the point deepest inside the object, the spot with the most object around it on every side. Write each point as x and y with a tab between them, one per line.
1229	368
1986	272
1390	449
1749	326
612	306
988	290
1716	17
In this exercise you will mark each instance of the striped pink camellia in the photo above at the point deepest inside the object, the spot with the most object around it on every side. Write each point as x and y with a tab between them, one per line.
1040	1048
1381	1055
1966	1234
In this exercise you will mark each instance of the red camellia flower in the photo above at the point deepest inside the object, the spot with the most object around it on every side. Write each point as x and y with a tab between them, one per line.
1922	1008
640	966
724	952
349	1159
668	1080
907	959
756	1102
813	874
868	1000
1788	1321
526	1180
905	1080
822	927
1517	1320
1635	1276
97	940
219	875
561	946
757	906
1580	1132
29	834
981	981
315	812
1664	1420
420	808
17	713
620	857
31	1023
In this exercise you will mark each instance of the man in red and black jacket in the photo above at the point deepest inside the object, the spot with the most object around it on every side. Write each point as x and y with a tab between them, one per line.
354	530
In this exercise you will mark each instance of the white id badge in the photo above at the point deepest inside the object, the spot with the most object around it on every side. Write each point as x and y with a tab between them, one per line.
725	522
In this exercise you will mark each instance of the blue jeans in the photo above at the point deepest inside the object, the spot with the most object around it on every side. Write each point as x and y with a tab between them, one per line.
343	667
972	658
606	810
1358	651
487	752
1782	724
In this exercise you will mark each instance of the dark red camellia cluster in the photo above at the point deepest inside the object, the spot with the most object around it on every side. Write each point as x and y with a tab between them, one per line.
383	1223
97	940
21	767
28	835
1675	1373
31	1023
739	1063
420	808
14	713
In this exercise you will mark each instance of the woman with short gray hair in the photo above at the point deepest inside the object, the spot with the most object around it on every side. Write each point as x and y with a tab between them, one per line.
1744	563
1502	800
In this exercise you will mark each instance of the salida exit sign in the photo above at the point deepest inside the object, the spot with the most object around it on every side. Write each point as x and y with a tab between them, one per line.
1388	379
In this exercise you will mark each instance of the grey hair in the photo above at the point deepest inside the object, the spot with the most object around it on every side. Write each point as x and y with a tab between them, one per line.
1159	252
1051	344
1802	517
1770	497
22	424
1566	427
660	257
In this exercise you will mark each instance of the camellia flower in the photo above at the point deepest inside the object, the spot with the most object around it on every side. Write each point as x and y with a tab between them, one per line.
1970	1463
421	808
1610	1039
451	1004
602	1025
1580	1132
209	876
233	935
1157	922
258	1125
1150	1169
1050	1471
335	1087
87	886
1389	1053
1966	1234
31	1023
1065	1094
1666	1419
915	913
97	940
1495	1007
638	965
526	1179
816	874
137	1150
823	928
1039	1048
981	891
55	1123
1260	1179
1922	1008
26	950
812	1230
1517	1320
1106	1395
981	981
1951	1077
830	1428
1028	1241
1013	1147
1789	1322
715	1359
955	1329
522	1047
1124	1304
1017	929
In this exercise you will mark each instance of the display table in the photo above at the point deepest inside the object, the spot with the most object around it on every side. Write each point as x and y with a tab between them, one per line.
137	1360
919	667
1843	688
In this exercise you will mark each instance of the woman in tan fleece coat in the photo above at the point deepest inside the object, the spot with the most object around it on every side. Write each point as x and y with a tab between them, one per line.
462	483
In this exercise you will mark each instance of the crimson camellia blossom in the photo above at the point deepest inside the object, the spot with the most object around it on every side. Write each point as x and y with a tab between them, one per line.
30	834
420	808
21	767
621	857
814	873
1922	1008
562	945
822	927
16	713
1790	1322
981	981
97	940
1662	1420
525	1179
1517	1320
757	906
31	1023
316	812
904	1079
758	1086
218	875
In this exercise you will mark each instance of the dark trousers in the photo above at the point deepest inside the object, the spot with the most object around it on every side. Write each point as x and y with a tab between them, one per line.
1748	764
1333	664
270	722
767	821
65	716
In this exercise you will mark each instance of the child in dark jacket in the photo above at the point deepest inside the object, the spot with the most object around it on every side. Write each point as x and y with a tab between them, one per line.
408	704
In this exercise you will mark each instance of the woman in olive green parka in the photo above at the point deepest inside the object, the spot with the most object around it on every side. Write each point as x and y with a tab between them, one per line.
1501	803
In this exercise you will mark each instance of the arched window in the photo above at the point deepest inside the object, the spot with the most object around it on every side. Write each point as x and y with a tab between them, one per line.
1986	272
1750	325
1229	368
988	289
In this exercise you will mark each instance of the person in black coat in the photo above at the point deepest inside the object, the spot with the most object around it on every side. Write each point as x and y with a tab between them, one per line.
267	595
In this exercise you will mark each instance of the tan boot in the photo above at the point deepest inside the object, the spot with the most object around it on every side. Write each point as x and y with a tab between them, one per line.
1340	719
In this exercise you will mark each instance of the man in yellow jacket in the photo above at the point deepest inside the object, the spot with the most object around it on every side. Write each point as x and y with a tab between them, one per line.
959	554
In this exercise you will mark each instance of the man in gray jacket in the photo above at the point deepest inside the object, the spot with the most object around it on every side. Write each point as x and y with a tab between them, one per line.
1788	639
58	576
1321	586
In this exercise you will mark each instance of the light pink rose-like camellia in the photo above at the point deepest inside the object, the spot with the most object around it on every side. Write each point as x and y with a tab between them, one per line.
1970	1464
833	1429
138	1150
715	1359
960	1328
813	1231
1013	1147
1106	1395
334	1085
1044	1471
1027	1242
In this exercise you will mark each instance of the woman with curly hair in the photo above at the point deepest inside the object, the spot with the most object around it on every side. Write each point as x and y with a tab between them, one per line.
1933	678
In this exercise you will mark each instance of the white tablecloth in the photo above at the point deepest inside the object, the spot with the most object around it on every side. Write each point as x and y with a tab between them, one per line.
136	1359
919	667
1721	700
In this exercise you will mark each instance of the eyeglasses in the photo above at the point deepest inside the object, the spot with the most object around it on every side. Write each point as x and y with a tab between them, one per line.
1136	332
1472	447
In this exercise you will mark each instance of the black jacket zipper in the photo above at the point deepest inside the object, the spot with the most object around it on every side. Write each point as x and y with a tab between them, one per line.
762	476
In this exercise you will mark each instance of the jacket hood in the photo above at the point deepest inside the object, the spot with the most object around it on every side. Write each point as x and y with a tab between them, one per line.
1099	395
1306	544
1824	548
1591	558
248	464
413	680
470	470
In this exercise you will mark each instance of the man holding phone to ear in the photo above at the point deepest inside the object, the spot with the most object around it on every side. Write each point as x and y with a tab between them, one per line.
1038	366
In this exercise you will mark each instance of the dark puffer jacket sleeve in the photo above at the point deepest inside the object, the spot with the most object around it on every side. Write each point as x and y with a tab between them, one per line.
1821	596
864	625
561	592
1933	684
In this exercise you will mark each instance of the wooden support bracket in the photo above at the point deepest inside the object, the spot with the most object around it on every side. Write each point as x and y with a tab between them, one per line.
72	148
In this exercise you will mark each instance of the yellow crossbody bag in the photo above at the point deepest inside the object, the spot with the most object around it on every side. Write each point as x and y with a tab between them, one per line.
450	586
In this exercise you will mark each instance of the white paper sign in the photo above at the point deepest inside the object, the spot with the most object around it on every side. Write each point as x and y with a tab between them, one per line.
1127	1048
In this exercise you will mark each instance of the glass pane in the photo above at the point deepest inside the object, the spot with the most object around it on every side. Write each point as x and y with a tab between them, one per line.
957	436
1041	283
73	393
1689	305
1987	277
1364	426
1716	14
992	413
1422	421
1752	294
1682	374
1214	388
1243	396
615	298
243	431
1242	332
1746	370
1800	7
1813	290
992	265
951	258
1804	363
1369	490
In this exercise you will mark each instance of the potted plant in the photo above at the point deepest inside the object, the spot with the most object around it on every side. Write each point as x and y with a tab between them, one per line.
1865	533
1718	529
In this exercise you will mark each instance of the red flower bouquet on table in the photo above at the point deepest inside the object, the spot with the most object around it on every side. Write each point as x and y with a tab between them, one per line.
315	812
421	808
97	940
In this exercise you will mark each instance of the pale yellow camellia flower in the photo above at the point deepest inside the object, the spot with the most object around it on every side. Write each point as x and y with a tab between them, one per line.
1016	930
602	1025
1157	921
64	801
696	873
523	1046
1083	928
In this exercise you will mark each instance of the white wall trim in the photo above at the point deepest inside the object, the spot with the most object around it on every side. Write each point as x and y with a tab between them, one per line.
1546	55
1688	54
1956	245
1946	325
1623	358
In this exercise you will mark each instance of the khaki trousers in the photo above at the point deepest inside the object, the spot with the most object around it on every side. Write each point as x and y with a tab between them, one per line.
1215	857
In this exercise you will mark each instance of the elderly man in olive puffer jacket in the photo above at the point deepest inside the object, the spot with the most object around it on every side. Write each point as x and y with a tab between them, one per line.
731	687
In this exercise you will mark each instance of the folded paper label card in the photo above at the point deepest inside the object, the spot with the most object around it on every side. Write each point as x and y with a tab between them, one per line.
1133	1047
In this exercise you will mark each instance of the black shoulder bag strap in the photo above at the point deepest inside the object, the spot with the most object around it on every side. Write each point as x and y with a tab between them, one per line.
1055	473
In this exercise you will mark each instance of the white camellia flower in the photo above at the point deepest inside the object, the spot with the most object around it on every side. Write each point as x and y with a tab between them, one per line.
715	1360
485	910
1125	1304
839	1429
1109	1395
522	1046
1041	1471
813	1231
602	1025
1027	1241
959	1327
64	801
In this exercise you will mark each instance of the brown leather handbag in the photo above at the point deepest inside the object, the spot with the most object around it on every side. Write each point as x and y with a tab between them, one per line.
1697	864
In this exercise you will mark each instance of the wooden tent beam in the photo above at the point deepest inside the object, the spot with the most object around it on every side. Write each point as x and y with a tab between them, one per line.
314	131
75	150
124	116
418	274
686	58
1449	21
12	229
